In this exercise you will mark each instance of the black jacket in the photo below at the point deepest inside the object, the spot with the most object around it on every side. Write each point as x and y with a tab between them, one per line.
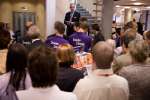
75	18
68	78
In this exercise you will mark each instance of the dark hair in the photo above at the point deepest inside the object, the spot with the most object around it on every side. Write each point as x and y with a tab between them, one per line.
16	63
42	66
126	39
83	19
4	37
60	27
77	24
84	26
96	27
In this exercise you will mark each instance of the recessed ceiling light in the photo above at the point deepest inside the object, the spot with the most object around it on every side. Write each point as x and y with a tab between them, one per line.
133	0
138	3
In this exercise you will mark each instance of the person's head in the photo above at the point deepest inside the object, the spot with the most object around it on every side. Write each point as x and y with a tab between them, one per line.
33	32
76	26
139	51
147	36
1	25
66	55
111	42
28	24
16	58
59	27
42	66
103	55
4	42
95	27
84	26
131	25
83	19
72	7
125	40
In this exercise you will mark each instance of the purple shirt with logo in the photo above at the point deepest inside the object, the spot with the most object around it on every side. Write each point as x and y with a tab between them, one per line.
55	41
80	40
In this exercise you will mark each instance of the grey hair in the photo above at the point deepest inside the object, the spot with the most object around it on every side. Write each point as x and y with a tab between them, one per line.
139	51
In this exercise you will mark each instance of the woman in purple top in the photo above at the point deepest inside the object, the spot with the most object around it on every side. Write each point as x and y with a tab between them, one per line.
55	40
80	40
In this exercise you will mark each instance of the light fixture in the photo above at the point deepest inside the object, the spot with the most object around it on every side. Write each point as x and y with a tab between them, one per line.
117	6
133	0
126	7
137	3
148	7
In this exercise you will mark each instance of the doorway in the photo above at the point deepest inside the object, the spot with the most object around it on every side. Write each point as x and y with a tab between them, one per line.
20	19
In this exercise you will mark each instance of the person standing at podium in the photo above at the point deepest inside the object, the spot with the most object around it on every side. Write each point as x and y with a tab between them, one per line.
70	18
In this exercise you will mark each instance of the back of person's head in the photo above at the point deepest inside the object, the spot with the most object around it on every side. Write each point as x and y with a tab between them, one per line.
33	32
139	51
131	24
16	57
147	35
126	39
103	55
95	27
66	55
84	26
111	42
42	66
76	26
59	27
16	63
131	32
83	19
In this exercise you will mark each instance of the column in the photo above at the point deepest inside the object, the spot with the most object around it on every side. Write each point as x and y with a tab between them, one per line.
107	16
128	15
50	16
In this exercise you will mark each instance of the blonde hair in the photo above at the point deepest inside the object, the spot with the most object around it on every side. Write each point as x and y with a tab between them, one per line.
65	53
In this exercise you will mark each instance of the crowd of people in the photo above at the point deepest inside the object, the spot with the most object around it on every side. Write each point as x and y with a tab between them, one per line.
36	69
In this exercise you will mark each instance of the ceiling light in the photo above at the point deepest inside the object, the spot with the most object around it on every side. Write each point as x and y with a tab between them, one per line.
148	7
117	6
133	0
126	7
137	3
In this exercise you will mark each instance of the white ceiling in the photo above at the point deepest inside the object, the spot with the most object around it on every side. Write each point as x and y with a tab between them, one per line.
130	2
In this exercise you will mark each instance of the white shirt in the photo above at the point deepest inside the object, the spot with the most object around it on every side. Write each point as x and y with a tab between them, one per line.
4	80
96	86
51	93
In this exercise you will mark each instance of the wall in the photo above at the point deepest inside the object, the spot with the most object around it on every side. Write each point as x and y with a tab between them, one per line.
62	6
88	5
10	6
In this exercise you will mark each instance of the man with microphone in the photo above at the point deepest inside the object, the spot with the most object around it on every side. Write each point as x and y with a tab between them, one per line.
70	18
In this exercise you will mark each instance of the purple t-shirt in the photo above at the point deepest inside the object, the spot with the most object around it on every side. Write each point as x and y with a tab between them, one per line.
55	41
80	40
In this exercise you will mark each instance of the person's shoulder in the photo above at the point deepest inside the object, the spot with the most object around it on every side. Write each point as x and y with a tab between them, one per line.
4	79
120	78
68	95
73	35
76	12
68	13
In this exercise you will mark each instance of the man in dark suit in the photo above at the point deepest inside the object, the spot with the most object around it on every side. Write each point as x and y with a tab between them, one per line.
71	17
